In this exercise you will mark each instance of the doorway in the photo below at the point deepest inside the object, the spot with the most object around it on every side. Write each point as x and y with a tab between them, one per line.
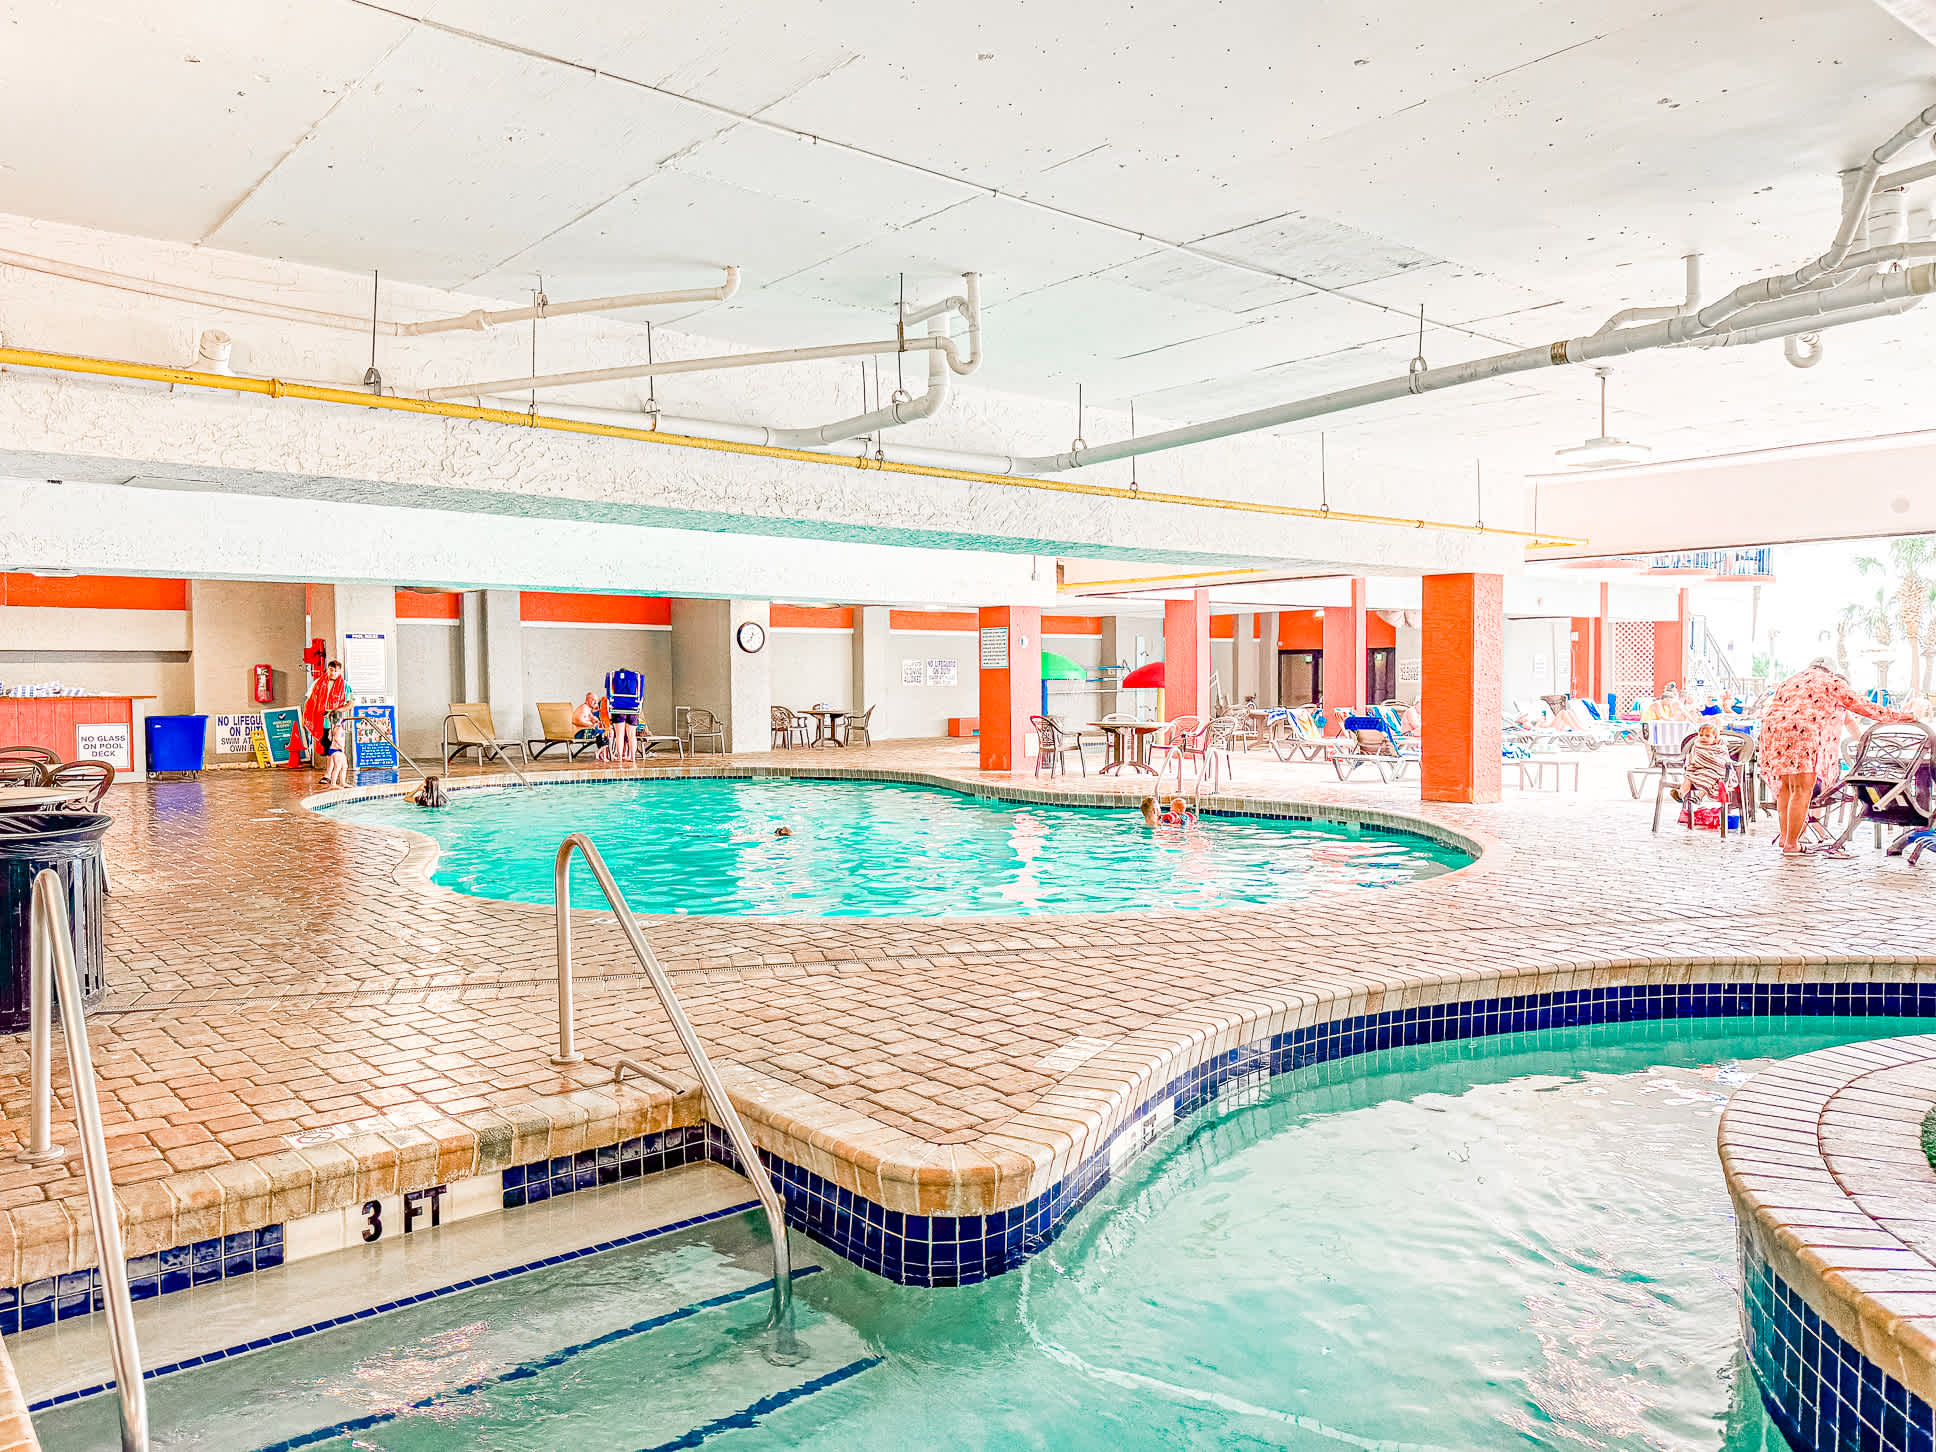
1381	674
1300	677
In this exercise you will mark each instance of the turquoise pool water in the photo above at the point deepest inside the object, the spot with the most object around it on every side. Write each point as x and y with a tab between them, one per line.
1511	1242
884	849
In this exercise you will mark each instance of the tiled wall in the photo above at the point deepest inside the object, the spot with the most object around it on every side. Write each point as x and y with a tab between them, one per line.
1823	1393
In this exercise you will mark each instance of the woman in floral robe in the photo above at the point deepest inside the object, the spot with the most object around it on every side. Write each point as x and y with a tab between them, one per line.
1801	737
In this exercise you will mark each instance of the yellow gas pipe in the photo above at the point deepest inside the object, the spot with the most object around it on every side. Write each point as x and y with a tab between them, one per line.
276	388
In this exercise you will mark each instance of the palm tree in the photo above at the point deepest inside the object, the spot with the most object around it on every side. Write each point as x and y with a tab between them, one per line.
1851	614
1907	559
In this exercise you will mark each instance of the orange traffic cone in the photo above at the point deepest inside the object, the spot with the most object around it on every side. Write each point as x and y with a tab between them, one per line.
295	762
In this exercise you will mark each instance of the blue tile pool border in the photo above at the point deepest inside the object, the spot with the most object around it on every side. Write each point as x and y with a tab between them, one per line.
1822	1392
941	1250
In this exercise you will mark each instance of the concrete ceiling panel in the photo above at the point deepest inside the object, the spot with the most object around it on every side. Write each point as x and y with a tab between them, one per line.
455	156
698	50
676	218
157	119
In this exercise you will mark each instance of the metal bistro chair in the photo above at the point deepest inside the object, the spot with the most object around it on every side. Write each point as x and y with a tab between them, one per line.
858	728
780	721
1053	747
703	725
19	771
90	780
33	753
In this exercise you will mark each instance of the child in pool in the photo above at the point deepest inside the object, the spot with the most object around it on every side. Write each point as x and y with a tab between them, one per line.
430	794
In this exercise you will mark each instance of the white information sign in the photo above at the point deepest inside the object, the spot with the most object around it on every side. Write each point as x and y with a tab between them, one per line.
1542	669
363	664
944	673
232	733
1408	670
912	673
109	741
994	647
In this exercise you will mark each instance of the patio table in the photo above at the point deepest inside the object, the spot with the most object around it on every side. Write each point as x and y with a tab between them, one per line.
1128	743
826	725
25	799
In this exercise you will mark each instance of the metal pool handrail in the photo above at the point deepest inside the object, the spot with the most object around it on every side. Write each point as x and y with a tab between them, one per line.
722	1106
51	955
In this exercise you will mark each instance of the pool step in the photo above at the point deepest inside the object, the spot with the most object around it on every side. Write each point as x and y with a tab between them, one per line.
658	1344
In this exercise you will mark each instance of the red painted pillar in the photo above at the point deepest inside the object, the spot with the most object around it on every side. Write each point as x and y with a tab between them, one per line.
1460	696
1603	646
1670	648
1011	682
1344	652
1186	656
1581	681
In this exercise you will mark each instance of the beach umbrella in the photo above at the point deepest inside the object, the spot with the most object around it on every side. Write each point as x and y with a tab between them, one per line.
1061	668
1145	678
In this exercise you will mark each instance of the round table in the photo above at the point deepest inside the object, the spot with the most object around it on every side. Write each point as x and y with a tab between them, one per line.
1128	745
25	799
826	725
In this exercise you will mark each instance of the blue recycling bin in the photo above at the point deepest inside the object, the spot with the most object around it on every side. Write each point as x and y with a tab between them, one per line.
177	743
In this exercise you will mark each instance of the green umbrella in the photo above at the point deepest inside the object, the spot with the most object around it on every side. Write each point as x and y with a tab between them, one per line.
1061	668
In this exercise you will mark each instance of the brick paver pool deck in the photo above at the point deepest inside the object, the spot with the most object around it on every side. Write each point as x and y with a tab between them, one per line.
274	972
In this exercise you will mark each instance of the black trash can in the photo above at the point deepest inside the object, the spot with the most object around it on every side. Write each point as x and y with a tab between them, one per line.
70	844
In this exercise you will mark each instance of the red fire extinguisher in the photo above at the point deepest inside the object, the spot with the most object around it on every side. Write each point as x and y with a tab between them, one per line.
265	685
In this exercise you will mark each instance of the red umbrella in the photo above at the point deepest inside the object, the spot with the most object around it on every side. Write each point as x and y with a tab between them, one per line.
1145	678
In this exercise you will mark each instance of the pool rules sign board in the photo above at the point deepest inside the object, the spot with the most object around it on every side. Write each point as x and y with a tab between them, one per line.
994	647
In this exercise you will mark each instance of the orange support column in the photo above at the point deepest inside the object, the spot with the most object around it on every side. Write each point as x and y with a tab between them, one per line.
1344	653
1460	696
1011	682
1582	679
1670	648
1186	656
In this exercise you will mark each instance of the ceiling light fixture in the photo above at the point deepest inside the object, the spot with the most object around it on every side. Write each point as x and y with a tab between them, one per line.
1604	451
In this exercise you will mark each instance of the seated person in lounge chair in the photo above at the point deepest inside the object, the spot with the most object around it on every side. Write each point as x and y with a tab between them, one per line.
593	714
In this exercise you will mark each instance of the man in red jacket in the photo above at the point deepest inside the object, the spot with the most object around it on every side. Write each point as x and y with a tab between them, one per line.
329	694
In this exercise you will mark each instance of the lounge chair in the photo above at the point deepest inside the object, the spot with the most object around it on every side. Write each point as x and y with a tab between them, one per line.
1294	736
468	727
1892	782
1371	744
554	719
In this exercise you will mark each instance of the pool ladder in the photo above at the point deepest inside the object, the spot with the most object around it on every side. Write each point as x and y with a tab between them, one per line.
51	956
781	1346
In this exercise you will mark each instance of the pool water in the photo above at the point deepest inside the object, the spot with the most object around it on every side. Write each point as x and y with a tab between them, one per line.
874	849
1514	1242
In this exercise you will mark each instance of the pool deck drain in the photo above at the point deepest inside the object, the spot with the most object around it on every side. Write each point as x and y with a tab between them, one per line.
275	973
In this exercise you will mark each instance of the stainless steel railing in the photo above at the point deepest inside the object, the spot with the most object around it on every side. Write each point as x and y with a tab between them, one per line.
51	956
780	1323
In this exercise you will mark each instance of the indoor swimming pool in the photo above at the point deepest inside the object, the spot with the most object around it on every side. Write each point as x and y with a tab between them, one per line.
1514	1241
889	849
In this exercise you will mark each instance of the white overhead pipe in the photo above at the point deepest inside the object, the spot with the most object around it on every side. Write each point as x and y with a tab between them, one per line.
1802	350
904	411
901	344
1681	328
212	351
477	320
1668	332
1648	315
75	272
